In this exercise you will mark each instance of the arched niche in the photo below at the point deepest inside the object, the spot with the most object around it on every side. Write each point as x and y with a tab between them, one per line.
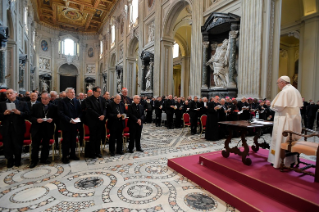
68	76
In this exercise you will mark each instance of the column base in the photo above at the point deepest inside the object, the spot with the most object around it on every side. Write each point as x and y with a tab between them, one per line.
221	92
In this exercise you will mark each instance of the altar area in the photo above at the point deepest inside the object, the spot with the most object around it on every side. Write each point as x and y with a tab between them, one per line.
258	187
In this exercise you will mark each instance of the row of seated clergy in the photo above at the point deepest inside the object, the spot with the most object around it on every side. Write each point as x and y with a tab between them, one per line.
218	111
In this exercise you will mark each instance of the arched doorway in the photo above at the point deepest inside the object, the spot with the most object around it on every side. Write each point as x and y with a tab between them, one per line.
175	66
132	64
68	75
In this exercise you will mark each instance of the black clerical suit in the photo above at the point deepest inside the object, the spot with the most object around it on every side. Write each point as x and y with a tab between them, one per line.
245	115
13	129
311	114
158	112
42	131
69	109
178	114
30	105
95	109
169	113
149	111
135	112
116	126
193	112
211	132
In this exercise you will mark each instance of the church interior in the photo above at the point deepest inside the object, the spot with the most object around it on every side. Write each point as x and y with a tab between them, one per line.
204	48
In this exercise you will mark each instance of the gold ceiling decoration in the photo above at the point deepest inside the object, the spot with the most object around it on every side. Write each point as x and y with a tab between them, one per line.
74	15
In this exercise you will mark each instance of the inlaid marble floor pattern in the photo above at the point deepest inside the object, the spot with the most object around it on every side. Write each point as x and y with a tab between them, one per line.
138	182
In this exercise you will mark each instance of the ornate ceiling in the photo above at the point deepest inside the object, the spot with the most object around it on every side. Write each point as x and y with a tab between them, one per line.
74	15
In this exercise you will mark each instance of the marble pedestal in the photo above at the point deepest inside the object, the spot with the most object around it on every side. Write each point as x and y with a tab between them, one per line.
147	93
221	92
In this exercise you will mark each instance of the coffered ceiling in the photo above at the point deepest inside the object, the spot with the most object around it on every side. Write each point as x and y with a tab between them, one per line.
74	15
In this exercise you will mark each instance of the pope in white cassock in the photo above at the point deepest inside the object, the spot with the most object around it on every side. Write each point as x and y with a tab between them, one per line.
287	106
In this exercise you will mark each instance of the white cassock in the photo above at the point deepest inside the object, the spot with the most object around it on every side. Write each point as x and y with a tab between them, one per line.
287	106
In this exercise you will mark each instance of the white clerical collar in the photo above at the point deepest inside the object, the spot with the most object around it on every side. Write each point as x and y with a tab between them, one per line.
33	102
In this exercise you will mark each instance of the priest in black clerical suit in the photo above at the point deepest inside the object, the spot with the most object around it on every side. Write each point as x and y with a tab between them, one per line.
135	123
211	132
43	116
169	109
158	111
246	112
13	128
194	113
69	109
95	112
116	125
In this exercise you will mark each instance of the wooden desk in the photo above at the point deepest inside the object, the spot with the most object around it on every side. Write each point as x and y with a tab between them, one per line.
242	126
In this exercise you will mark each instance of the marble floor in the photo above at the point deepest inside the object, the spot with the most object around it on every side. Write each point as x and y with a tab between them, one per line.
138	182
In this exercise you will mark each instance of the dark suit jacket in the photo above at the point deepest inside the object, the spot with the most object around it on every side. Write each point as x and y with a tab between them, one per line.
168	104
115	123
68	111
192	109
17	120
157	105
29	104
312	110
94	109
38	112
135	114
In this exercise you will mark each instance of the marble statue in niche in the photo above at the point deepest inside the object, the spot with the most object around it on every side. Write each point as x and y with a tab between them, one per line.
44	63
148	79
219	64
151	29
104	75
119	83
121	53
90	86
44	85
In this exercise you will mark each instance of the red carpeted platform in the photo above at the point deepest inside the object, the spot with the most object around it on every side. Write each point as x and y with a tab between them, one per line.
258	187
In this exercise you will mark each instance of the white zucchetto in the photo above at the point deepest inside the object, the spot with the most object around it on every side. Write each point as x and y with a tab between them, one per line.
286	78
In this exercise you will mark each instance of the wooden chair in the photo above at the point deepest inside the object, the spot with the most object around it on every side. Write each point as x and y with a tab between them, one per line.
186	121
126	134
27	140
86	135
203	120
305	147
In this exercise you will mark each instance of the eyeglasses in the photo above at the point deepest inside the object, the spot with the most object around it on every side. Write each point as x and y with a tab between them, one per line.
278	82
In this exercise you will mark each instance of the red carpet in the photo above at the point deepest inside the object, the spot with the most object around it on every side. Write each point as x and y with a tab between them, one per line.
258	187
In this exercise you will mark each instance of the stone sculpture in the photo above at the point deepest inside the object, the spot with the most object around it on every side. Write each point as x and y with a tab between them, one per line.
148	79
219	63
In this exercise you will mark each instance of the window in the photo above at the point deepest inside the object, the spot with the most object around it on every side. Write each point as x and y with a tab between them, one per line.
68	47
112	36
33	39
26	19
175	50
134	11
101	49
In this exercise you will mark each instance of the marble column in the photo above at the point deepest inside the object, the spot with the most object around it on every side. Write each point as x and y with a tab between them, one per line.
3	43
204	73
232	59
151	70
250	49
